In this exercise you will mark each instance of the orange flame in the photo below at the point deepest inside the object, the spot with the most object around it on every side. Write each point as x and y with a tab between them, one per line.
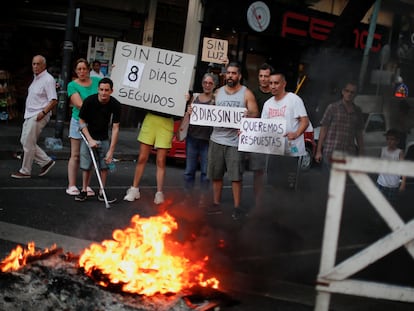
19	256
144	261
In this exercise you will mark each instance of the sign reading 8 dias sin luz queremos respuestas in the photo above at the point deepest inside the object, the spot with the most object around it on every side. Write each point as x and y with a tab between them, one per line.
152	78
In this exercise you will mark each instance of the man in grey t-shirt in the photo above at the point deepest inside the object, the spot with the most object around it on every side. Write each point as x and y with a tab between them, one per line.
223	155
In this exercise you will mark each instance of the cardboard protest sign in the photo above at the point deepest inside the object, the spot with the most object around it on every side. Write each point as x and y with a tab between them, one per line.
214	50
152	78
220	116
262	135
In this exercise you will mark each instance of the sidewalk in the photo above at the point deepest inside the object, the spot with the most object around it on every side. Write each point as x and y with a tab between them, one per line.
10	147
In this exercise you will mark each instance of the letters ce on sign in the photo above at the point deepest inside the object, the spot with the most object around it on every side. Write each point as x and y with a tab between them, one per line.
151	78
214	50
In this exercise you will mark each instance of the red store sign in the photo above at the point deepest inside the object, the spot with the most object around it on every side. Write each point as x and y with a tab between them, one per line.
319	29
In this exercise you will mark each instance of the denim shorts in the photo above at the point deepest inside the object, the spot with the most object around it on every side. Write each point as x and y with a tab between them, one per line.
100	152
74	129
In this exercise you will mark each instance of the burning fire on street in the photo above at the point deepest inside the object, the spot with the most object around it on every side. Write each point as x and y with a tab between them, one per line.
20	257
142	260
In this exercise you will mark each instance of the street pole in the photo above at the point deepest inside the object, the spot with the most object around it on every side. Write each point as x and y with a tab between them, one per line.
65	71
368	45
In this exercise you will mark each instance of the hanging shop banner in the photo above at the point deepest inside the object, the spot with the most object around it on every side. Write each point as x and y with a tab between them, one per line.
102	49
219	116
262	135
151	78
214	50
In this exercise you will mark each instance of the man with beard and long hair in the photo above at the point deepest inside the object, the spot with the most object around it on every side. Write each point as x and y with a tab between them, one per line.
223	154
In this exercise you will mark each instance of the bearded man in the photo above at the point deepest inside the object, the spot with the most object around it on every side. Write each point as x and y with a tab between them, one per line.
223	154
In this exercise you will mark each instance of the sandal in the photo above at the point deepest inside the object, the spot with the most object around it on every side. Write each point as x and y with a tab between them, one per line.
90	192
72	190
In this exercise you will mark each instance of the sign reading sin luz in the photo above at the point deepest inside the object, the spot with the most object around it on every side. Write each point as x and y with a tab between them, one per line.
214	50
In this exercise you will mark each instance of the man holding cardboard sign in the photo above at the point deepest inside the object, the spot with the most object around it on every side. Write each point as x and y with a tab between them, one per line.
290	107
223	154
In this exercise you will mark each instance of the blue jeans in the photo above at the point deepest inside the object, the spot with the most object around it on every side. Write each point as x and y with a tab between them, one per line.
196	151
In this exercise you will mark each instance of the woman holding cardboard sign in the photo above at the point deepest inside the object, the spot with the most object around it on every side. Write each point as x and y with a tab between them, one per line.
198	137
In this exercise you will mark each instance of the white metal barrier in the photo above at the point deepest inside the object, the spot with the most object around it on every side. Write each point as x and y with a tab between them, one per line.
336	279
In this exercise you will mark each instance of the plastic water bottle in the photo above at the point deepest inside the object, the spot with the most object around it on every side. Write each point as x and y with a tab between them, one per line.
53	143
111	167
292	146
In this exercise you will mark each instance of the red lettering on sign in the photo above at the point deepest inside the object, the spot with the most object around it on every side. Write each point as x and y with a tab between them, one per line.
319	29
286	29
363	39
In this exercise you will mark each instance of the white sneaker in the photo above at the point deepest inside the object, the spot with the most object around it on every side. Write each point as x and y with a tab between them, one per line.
132	194
159	197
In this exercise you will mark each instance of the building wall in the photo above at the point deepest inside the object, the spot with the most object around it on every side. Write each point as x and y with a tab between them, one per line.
39	27
295	36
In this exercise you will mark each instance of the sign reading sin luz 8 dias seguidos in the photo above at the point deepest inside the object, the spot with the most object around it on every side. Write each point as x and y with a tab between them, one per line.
151	78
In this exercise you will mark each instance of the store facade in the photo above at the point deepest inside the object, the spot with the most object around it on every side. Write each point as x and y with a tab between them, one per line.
288	37
39	27
291	39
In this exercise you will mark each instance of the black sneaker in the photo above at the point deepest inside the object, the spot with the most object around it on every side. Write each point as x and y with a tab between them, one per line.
102	199
81	196
214	209
239	213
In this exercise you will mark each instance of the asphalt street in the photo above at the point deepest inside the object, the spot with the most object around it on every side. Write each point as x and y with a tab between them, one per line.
269	259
